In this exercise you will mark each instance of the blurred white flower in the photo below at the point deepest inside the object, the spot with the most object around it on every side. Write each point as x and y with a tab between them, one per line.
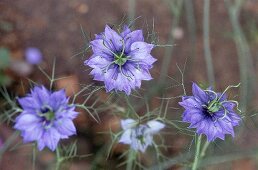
139	136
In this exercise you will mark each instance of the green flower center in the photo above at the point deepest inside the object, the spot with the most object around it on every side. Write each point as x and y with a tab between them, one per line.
120	59
49	115
214	106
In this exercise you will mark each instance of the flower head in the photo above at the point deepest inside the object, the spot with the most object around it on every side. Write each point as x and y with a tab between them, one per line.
120	60
210	113
46	117
139	136
33	55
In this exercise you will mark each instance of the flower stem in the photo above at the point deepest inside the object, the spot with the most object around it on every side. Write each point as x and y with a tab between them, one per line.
204	149
130	159
197	153
34	157
58	158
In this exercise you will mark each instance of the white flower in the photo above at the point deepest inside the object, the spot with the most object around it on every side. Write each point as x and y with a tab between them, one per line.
139	136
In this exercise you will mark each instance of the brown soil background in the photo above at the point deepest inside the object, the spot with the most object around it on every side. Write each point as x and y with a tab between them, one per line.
55	28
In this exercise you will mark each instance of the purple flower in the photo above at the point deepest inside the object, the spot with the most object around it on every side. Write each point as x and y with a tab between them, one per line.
46	117
33	55
210	113
121	60
139	136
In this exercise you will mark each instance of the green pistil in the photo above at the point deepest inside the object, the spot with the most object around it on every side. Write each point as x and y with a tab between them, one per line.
49	115
120	59
214	106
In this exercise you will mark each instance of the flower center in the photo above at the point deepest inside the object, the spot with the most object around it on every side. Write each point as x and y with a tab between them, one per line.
141	138
47	113
213	106
120	59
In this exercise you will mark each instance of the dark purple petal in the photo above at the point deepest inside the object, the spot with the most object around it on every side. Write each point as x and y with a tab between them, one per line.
190	103
213	124
199	93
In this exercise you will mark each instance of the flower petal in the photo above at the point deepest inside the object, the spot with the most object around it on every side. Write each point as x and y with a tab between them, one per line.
199	93
139	50
113	38
126	30
135	36
155	126
126	137
25	121
65	127
51	138
128	124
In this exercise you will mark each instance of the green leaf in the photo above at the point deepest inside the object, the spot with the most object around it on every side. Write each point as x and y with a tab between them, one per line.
4	58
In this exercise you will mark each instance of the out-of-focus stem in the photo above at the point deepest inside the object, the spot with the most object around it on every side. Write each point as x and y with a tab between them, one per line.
7	143
191	26
244	55
58	158
205	147
130	159
176	11
131	11
206	41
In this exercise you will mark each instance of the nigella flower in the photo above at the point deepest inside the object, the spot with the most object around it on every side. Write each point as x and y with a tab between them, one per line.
139	136
46	117
121	60
210	113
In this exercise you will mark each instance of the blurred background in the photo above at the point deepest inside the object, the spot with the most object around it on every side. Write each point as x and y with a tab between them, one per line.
216	42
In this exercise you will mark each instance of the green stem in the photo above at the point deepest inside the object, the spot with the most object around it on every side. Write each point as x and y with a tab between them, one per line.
58	158
131	11
205	147
197	153
206	40
176	9
130	159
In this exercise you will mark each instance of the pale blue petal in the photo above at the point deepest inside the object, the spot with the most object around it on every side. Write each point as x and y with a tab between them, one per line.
126	137
155	126
128	124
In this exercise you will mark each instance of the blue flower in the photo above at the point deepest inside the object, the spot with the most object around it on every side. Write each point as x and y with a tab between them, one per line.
139	136
46	117
122	60
210	113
